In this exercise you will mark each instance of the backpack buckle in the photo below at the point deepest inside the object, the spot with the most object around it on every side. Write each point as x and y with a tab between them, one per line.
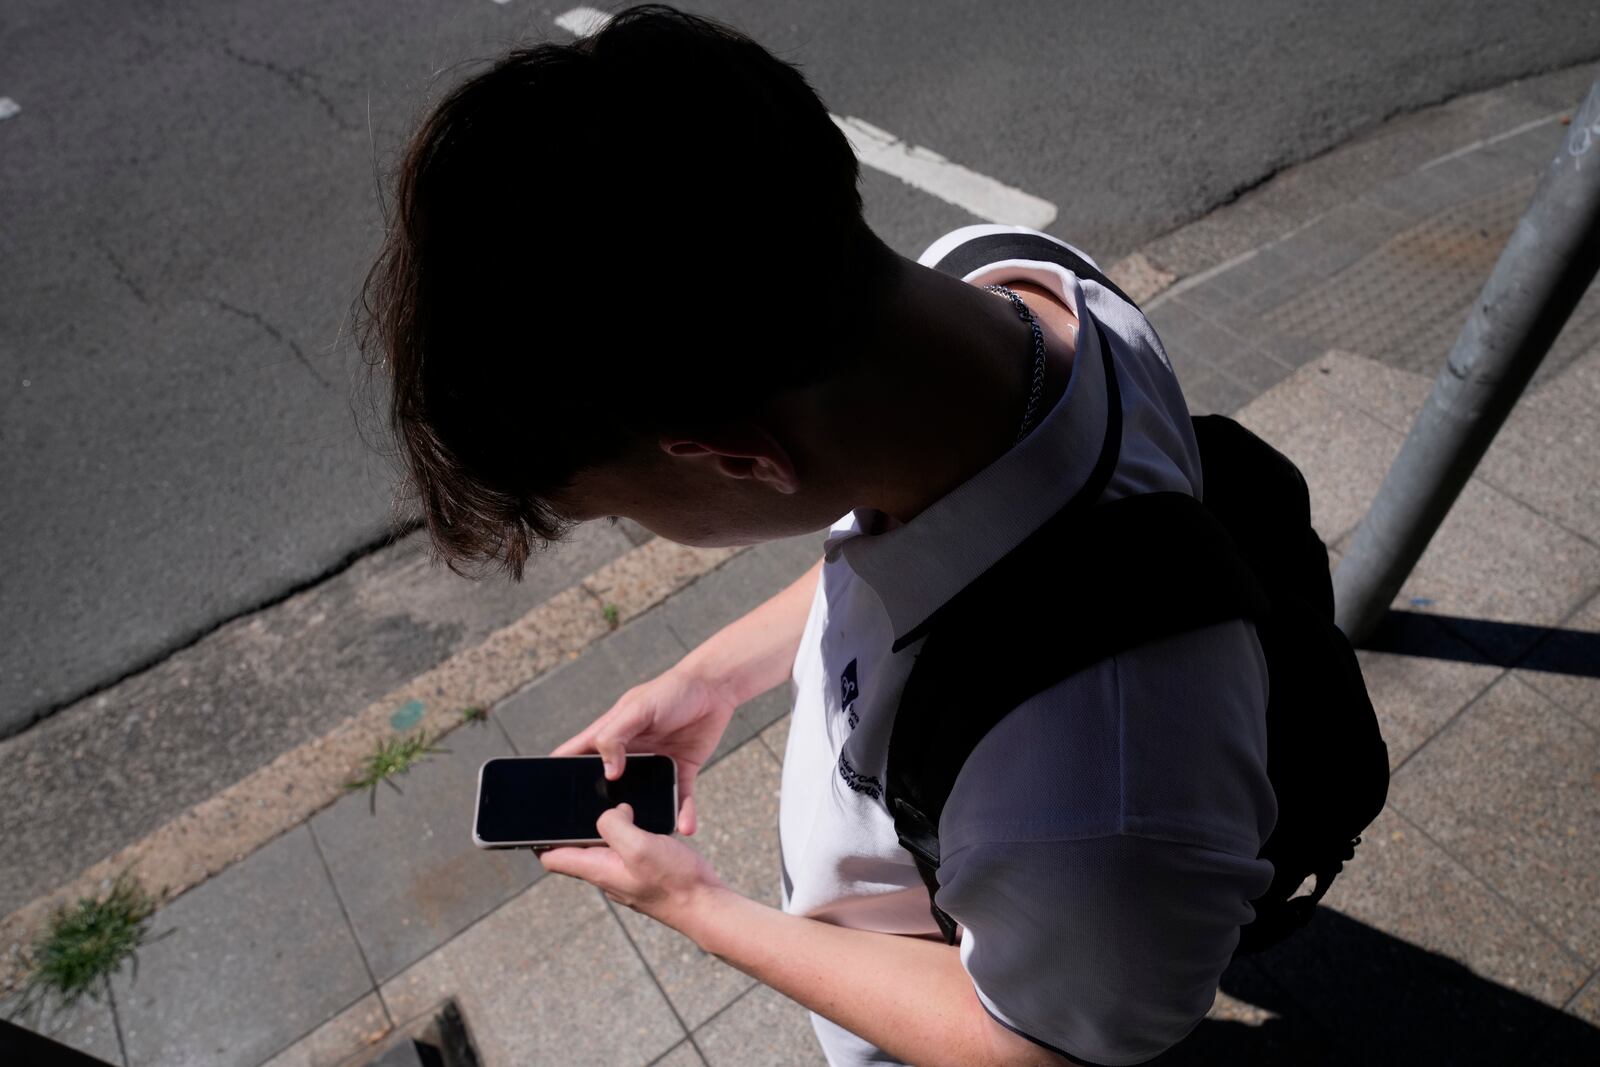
917	833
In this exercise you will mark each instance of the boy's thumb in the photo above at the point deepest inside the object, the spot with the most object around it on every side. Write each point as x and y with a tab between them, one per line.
614	755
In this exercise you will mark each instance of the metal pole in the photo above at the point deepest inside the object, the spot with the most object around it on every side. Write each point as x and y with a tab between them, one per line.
1547	264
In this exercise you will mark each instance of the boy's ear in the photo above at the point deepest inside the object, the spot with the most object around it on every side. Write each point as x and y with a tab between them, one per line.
742	451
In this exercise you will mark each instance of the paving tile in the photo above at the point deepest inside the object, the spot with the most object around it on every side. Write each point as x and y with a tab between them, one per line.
549	977
634	532
1192	343
682	1055
776	737
1535	148
1229	231
1577	641
1211	392
801	551
1491	167
1407	886
1294	194
570	697
1512	790
1413	960
259	956
1416	695
1290	349
763	1028
752	717
1252	1023
1390	395
87	1026
1384	1001
119	764
1496	560
358	1027
1492	558
1580	337
406	869
1263	281
1547	452
1586	1005
1343	452
1339	238
1419	195
745	582
1141	279
1253	369
1219	306
737	804
1217	340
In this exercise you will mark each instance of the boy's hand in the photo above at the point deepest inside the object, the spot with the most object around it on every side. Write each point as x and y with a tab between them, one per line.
677	714
654	874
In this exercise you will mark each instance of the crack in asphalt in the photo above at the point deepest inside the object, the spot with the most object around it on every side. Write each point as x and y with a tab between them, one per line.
276	335
297	78
122	272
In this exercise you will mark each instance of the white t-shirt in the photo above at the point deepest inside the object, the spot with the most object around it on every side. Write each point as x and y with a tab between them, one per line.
1099	848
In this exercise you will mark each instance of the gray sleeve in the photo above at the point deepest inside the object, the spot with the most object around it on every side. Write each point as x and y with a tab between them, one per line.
1100	845
1106	949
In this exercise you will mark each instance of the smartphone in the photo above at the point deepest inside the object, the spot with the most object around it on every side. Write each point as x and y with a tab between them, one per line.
544	801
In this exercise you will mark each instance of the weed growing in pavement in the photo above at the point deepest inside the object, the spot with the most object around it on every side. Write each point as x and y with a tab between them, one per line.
392	757
613	615
83	945
474	714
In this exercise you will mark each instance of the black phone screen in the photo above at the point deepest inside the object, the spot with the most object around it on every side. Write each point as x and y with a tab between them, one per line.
560	798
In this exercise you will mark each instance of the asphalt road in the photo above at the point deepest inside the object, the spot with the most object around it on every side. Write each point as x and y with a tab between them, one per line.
187	206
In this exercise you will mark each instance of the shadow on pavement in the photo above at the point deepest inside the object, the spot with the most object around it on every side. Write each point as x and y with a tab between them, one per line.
1497	644
1343	992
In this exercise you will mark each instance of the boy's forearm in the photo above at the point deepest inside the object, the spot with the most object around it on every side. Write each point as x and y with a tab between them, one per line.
756	652
910	996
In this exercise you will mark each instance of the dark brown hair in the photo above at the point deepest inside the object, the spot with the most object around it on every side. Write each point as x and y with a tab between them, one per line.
656	227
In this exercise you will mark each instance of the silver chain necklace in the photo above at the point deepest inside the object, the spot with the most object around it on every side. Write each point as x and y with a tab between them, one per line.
1038	356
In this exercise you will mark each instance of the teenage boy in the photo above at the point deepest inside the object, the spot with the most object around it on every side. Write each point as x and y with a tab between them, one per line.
630	276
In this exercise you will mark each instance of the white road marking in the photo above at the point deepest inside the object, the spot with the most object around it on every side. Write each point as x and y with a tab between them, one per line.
927	170
583	21
919	167
8	107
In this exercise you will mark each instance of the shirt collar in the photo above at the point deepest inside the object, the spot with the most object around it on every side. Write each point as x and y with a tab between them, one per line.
915	568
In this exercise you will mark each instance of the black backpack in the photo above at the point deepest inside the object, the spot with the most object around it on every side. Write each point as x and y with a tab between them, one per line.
1249	551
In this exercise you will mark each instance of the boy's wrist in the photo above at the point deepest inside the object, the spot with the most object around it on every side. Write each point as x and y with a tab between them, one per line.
705	917
702	665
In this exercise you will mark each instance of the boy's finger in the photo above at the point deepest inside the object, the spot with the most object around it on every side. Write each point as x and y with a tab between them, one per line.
584	740
594	864
613	750
570	860
686	807
573	745
618	830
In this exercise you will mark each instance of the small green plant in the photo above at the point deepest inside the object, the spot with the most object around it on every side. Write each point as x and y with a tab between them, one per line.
613	615
83	945
474	714
392	757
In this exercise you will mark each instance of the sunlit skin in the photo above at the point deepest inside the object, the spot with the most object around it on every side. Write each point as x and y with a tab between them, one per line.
938	397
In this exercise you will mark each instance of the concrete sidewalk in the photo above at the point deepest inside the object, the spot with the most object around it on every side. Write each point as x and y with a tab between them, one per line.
1467	929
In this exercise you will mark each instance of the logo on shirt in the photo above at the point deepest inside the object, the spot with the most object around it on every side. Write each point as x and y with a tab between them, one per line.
861	783
848	691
